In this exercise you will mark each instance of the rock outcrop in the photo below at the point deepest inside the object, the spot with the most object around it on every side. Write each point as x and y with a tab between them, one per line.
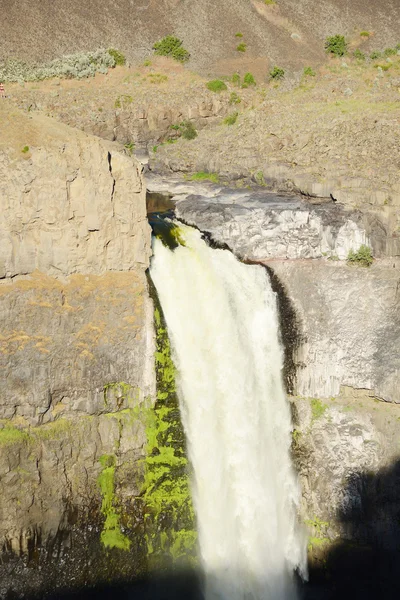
76	342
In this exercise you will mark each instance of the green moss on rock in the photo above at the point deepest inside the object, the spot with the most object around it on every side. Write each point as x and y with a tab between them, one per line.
168	511
111	536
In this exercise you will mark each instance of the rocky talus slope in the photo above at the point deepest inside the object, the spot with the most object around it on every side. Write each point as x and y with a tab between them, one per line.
76	341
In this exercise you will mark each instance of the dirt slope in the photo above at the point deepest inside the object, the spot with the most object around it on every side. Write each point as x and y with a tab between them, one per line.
289	33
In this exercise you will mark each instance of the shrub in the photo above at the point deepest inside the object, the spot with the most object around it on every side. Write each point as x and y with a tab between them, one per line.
25	149
123	100
268	2
277	73
234	98
188	130
216	85
204	176
241	47
238	34
389	52
358	54
129	147
375	54
236	79
309	72
231	119
362	257
118	57
397	47
147	63
365	33
78	66
248	80
157	78
336	45
171	46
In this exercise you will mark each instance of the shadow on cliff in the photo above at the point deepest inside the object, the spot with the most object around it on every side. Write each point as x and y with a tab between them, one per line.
178	585
365	564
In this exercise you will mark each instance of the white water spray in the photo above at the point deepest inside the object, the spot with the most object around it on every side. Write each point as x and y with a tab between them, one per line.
223	325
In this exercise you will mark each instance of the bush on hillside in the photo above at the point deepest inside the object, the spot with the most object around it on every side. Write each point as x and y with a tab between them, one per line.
118	57
216	85
277	73
72	66
236	79
362	257
358	54
171	46
241	47
234	98
336	45
309	72
248	80
231	119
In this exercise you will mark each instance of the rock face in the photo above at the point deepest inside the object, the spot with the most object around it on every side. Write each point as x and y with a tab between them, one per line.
77	347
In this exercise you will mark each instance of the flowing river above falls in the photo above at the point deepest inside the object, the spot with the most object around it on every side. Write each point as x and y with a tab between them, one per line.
223	325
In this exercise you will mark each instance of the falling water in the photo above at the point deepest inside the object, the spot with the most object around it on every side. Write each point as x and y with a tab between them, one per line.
223	325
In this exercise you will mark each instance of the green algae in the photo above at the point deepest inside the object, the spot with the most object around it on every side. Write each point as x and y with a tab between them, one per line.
169	519
111	536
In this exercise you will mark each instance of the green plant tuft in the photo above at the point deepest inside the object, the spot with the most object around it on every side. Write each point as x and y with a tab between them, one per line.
358	54
238	34
171	46
309	72
234	98
204	176
277	73
375	54
363	257
317	408
336	45
216	85
231	119
248	80
118	57
241	47
236	79
390	52
25	149
365	33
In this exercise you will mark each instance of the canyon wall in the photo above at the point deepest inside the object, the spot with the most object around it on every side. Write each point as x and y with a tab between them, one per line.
76	342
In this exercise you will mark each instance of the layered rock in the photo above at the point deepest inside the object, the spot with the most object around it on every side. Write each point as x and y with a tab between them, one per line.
76	339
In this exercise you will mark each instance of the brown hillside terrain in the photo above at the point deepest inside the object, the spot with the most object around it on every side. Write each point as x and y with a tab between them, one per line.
289	33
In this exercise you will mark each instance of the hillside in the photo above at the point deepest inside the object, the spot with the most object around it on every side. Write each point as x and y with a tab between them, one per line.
290	32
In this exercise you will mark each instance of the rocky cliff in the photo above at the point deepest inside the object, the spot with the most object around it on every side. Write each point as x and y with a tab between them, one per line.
76	343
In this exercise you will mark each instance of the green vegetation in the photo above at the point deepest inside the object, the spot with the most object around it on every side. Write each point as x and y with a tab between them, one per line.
157	78
123	100
390	52
203	176
234	98
171	46
147	63
216	85
186	129
236	79
10	435
363	257
231	119
111	536
358	54
25	149
238	34
241	47
365	33
309	72
168	512
336	45
375	54
277	73
248	80
129	147
269	2
79	66
259	178
317	408
118	57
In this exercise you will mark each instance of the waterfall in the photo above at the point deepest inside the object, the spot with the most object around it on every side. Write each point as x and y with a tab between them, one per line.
223	326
